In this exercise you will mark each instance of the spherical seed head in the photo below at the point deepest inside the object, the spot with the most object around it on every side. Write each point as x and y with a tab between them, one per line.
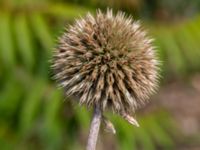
107	60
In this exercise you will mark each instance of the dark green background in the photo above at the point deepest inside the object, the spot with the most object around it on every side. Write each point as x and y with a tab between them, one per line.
34	115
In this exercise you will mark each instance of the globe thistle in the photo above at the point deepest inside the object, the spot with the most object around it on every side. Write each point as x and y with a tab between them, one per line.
107	61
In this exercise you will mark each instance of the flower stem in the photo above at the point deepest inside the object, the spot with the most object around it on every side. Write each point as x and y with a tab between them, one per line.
94	129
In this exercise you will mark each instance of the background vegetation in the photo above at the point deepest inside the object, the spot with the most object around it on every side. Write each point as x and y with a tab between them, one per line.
34	114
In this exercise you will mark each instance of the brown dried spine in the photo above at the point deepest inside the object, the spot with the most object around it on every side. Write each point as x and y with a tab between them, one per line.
108	61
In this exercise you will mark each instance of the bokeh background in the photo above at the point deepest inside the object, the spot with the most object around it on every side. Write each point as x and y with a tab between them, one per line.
34	115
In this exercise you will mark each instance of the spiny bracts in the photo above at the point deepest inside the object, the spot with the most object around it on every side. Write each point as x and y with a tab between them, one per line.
107	60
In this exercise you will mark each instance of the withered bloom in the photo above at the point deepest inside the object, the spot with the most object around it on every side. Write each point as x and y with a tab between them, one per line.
107	60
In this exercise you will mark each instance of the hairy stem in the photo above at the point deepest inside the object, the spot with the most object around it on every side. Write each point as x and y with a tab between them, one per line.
94	129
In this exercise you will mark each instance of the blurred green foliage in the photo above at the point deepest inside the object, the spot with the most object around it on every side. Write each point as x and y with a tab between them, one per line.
33	112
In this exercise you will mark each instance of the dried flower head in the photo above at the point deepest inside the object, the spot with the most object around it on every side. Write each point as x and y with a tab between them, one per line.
108	61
